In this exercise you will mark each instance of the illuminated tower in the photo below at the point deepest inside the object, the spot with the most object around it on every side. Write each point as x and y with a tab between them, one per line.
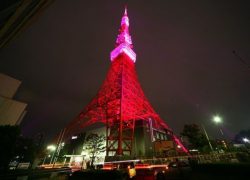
120	103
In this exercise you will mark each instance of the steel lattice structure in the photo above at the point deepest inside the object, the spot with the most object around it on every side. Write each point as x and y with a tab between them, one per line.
120	101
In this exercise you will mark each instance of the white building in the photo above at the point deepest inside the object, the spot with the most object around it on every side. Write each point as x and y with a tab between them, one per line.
11	111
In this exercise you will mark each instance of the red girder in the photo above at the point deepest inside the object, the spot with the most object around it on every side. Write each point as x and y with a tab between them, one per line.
118	103
108	100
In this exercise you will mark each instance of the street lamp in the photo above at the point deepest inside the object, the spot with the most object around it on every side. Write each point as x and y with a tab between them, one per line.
52	148
218	120
245	140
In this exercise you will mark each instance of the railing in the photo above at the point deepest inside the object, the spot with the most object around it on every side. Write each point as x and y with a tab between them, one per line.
205	158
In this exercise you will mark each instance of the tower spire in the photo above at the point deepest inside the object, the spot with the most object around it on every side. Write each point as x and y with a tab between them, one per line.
125	10
124	41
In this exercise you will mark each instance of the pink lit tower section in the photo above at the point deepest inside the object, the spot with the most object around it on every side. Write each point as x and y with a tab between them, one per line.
133	128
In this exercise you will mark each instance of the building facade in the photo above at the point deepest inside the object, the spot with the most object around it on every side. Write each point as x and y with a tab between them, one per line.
11	110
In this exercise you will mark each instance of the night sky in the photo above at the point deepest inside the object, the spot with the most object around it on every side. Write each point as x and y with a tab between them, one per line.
184	62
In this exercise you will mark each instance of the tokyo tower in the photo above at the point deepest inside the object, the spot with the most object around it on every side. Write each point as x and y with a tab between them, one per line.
121	105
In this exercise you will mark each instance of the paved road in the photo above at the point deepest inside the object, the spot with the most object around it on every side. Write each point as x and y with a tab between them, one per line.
38	174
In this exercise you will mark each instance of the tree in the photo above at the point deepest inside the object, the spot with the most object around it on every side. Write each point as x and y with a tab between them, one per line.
195	136
8	138
94	145
74	146
15	147
26	149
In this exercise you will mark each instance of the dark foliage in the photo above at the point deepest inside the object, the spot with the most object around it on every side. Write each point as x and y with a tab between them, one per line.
16	147
195	136
242	134
74	146
94	145
9	136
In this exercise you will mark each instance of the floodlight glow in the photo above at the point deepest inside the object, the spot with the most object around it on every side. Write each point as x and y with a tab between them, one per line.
78	159
193	150
246	140
84	153
51	147
217	119
74	137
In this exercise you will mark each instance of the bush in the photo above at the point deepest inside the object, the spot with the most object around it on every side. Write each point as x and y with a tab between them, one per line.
243	157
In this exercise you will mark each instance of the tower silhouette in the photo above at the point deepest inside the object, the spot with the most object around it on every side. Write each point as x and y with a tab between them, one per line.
120	102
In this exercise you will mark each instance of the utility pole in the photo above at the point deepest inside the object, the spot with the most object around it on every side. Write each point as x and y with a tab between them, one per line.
58	147
205	132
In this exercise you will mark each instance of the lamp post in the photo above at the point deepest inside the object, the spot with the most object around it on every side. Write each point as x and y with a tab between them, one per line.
52	148
218	120
205	132
44	160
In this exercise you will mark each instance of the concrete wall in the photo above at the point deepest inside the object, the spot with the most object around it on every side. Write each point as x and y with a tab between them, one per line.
11	111
143	145
8	86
